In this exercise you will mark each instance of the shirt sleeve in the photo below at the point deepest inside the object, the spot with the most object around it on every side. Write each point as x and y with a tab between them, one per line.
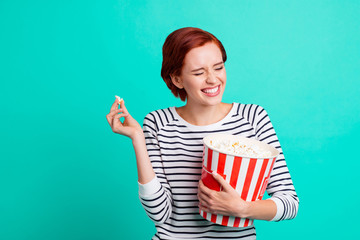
155	196
280	186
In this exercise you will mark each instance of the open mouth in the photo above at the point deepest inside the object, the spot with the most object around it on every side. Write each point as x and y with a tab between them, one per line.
211	91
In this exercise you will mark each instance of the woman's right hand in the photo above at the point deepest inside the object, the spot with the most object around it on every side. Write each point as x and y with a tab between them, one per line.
129	127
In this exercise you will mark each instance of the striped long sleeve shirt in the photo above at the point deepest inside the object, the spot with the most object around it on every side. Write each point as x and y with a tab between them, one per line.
175	149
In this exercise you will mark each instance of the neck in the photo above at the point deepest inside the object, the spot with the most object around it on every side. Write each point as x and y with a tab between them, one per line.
201	115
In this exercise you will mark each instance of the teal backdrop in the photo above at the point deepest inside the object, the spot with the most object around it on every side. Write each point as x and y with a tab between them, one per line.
65	175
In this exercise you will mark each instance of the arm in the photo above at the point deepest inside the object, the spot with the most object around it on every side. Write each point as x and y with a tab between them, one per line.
144	168
228	202
283	203
153	196
280	187
131	128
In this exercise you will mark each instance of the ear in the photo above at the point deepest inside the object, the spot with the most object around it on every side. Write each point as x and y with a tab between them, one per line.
176	80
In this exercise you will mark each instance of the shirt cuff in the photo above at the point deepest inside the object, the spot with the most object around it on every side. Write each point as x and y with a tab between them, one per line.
149	188
279	208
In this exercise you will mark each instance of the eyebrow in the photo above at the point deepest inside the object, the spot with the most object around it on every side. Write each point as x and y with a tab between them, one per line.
195	70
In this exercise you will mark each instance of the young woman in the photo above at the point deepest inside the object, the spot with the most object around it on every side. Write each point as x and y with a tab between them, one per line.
169	147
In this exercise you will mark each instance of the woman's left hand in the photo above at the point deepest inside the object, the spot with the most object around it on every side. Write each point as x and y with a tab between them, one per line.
226	202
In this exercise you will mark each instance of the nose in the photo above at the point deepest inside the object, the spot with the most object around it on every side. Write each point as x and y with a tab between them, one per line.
211	78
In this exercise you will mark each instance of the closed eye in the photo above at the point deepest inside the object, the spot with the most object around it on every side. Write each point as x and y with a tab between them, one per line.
219	68
198	74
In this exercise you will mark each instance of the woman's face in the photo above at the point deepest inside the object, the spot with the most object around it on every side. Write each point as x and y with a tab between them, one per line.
203	75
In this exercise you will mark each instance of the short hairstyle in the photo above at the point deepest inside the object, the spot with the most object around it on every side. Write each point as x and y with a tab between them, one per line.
175	48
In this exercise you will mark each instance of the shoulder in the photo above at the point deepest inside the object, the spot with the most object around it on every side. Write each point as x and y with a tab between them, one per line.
248	110
251	113
159	118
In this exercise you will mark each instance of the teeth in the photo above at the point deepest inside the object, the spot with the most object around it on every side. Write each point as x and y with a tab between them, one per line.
213	90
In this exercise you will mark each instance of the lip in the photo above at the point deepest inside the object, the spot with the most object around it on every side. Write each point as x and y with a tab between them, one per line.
212	94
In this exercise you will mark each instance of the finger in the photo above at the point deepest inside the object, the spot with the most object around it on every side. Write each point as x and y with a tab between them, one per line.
116	119
121	115
203	200
200	189
209	208
115	105
226	186
204	189
108	119
203	207
114	112
122	106
116	123
111	115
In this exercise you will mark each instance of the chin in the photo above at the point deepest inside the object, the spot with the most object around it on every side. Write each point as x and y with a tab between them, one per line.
214	101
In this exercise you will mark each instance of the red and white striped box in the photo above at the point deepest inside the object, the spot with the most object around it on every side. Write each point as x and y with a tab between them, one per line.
248	176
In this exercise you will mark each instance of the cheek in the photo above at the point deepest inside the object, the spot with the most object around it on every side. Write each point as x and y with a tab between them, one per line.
191	85
223	77
194	83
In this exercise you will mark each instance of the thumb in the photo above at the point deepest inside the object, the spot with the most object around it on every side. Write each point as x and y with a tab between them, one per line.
122	105
225	185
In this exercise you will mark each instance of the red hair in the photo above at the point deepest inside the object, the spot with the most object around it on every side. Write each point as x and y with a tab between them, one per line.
175	48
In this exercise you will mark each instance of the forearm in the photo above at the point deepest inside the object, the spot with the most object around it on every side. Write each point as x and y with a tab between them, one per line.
262	209
144	167
154	196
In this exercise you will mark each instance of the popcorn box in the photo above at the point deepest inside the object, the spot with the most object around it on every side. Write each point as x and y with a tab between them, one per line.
247	175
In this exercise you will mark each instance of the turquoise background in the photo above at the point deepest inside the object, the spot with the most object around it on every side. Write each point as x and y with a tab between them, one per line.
65	175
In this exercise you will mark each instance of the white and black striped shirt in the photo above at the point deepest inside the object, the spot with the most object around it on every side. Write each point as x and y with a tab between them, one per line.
175	150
